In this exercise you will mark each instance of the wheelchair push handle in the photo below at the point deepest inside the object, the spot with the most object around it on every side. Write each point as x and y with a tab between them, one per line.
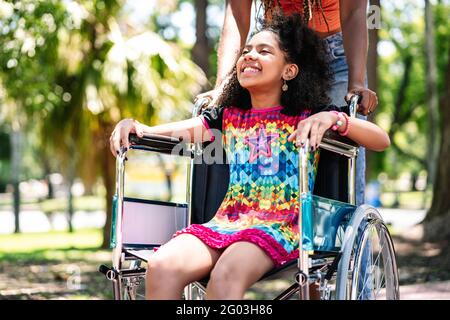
152	139
160	143
352	104
199	105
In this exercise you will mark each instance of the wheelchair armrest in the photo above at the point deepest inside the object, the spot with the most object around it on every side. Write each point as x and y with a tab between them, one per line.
334	142
332	135
160	143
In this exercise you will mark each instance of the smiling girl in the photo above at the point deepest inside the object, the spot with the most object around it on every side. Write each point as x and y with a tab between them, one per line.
276	95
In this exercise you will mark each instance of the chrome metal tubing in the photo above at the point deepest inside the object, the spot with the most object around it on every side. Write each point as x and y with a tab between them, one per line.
289	292
339	147
303	259
200	287
351	181
197	151
117	251
117	284
353	105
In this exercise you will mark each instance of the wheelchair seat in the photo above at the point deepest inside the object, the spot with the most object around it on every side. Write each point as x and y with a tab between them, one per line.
145	254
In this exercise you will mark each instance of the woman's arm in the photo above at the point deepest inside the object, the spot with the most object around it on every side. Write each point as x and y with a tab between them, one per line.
236	26
192	130
353	15
235	29
363	132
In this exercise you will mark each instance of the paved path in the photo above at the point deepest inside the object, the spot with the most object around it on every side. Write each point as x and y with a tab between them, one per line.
38	221
426	291
402	219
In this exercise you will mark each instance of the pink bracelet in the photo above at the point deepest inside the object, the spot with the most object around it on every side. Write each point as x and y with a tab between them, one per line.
347	120
339	122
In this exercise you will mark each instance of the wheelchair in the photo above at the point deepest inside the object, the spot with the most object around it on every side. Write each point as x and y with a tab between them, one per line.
346	250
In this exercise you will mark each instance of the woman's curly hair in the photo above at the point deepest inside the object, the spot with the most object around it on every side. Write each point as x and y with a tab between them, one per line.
302	46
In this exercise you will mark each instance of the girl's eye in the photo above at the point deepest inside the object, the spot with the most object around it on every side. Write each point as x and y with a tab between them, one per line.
244	51
265	51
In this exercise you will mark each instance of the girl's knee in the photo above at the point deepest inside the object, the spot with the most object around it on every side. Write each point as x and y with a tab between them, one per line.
163	279
225	283
224	276
162	268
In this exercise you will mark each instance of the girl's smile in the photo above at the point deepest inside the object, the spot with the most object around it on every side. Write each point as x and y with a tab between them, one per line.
250	68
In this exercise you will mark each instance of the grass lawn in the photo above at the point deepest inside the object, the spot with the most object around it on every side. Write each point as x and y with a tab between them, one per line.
63	265
53	265
42	265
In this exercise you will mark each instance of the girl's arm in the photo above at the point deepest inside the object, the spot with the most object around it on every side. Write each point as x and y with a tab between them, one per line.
192	130
367	134
363	132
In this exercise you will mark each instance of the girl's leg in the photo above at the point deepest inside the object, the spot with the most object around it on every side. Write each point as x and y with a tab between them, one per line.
177	263
239	267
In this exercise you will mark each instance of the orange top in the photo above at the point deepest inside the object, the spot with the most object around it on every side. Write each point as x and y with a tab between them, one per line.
328	14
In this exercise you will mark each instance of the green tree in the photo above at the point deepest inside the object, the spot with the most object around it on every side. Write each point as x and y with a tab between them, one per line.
99	75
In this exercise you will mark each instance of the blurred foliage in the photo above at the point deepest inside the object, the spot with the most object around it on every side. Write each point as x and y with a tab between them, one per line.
165	21
402	109
70	70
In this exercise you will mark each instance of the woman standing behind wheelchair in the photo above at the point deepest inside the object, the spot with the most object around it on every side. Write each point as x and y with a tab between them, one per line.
273	103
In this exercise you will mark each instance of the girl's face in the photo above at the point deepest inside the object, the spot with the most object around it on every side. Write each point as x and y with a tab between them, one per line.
262	64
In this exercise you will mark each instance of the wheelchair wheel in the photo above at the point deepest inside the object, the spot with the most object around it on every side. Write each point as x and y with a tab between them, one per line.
368	268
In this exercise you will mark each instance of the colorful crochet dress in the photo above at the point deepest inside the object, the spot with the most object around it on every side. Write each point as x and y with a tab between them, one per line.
261	205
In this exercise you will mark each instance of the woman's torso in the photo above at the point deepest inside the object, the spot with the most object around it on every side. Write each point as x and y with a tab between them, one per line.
325	17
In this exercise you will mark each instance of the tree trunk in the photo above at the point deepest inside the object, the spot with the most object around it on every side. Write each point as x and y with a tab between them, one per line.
71	173
47	173
70	204
437	226
372	75
201	49
16	155
432	92
168	176
108	176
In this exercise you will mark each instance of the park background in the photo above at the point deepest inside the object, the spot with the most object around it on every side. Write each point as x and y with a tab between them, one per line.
70	70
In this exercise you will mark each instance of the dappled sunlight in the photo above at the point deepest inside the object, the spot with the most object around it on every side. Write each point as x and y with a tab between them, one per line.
71	70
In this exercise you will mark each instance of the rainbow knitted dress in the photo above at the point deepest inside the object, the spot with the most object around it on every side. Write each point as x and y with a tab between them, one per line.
262	202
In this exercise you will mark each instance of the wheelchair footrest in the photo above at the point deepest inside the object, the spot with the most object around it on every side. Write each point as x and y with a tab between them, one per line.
143	255
111	274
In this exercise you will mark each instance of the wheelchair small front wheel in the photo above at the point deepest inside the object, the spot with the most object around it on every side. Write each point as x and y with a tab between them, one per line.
368	268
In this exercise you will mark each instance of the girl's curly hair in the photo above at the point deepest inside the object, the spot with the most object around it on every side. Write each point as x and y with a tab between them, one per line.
302	46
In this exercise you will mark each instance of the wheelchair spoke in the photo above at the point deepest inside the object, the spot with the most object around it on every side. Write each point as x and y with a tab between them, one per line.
370	263
379	268
372	268
381	286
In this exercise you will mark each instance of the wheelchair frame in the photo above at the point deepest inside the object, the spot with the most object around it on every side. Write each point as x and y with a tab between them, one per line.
311	267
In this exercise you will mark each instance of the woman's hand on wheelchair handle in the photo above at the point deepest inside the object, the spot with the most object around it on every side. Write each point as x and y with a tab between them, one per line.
211	96
313	127
119	136
369	99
